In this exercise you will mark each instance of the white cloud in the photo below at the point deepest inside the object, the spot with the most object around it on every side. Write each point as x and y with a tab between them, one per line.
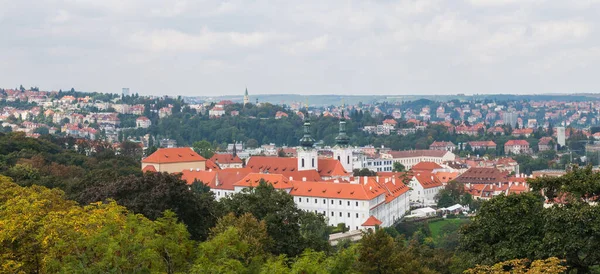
416	44
173	40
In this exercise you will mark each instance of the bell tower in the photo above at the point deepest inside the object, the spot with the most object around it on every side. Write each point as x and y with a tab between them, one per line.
341	151
307	155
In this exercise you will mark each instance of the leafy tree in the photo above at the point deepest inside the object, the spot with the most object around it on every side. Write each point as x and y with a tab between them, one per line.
204	148
505	228
251	143
398	167
522	266
364	172
379	253
153	193
44	233
292	229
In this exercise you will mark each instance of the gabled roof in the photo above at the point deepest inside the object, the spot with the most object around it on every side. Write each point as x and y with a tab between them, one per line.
173	155
372	221
516	143
427	179
226	158
482	143
441	144
331	167
210	165
149	168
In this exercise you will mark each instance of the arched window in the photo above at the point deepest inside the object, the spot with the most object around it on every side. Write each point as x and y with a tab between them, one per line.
302	162
313	162
339	158
348	159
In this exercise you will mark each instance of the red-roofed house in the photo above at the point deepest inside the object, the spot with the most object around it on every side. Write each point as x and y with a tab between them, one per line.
226	160
425	166
327	168
173	160
449	146
371	223
482	145
547	143
143	122
522	131
425	186
353	203
516	147
221	182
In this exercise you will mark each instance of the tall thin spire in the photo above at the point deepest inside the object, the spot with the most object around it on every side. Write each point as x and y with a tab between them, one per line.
307	141
342	139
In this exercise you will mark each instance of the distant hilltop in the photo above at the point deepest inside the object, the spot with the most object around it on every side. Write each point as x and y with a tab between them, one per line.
336	99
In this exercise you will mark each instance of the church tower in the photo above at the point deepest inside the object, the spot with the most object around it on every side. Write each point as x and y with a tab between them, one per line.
341	151
246	97
307	155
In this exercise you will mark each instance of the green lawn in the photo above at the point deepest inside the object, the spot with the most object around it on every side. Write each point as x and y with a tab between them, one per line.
436	226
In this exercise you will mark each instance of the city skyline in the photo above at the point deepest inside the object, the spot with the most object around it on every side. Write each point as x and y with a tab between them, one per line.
354	48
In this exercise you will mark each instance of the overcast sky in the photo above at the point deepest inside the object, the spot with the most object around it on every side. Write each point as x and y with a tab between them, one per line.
308	47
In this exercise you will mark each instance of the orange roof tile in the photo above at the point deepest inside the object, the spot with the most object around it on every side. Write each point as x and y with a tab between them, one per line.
173	155
149	168
221	179
210	165
427	179
360	191
372	221
283	165
226	159
445	177
278	181
331	167
426	166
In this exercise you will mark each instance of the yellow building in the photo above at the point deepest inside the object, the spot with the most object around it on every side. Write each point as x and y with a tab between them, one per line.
173	160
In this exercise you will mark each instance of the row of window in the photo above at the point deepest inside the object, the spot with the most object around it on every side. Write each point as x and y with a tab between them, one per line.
340	214
325	201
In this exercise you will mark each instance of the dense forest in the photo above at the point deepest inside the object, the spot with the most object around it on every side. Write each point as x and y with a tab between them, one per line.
63	211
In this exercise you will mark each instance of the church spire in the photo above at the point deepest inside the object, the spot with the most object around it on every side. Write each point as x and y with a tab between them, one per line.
342	139
307	141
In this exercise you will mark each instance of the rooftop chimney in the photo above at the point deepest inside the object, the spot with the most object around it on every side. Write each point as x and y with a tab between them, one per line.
377	178
365	178
303	179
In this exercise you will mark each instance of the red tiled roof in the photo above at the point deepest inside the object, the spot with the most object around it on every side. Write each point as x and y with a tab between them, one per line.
482	175
226	177
372	221
278	181
210	165
516	143
428	180
445	177
174	155
226	158
426	166
149	168
360	191
482	144
284	165
331	167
